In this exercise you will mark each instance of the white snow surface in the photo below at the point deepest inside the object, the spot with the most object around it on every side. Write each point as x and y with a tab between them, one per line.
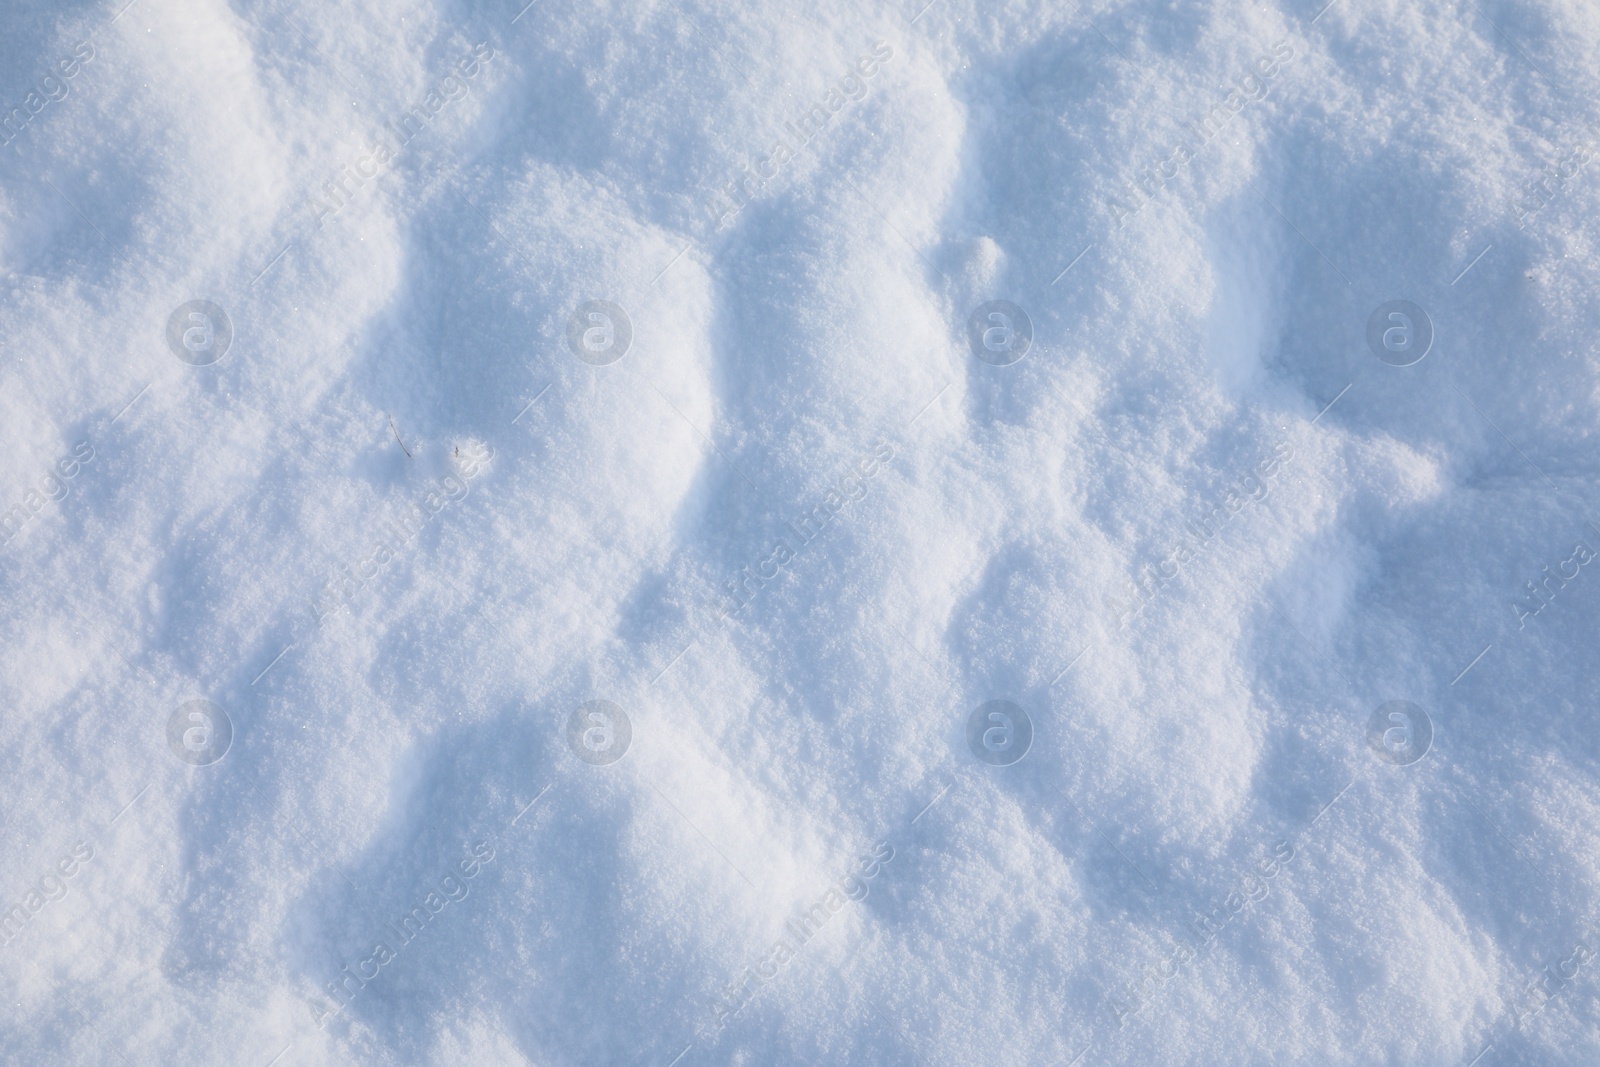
397	533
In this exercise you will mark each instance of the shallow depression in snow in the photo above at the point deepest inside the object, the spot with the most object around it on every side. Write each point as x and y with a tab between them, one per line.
696	533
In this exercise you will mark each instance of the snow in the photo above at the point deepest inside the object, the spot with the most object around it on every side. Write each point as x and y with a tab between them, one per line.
516	518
